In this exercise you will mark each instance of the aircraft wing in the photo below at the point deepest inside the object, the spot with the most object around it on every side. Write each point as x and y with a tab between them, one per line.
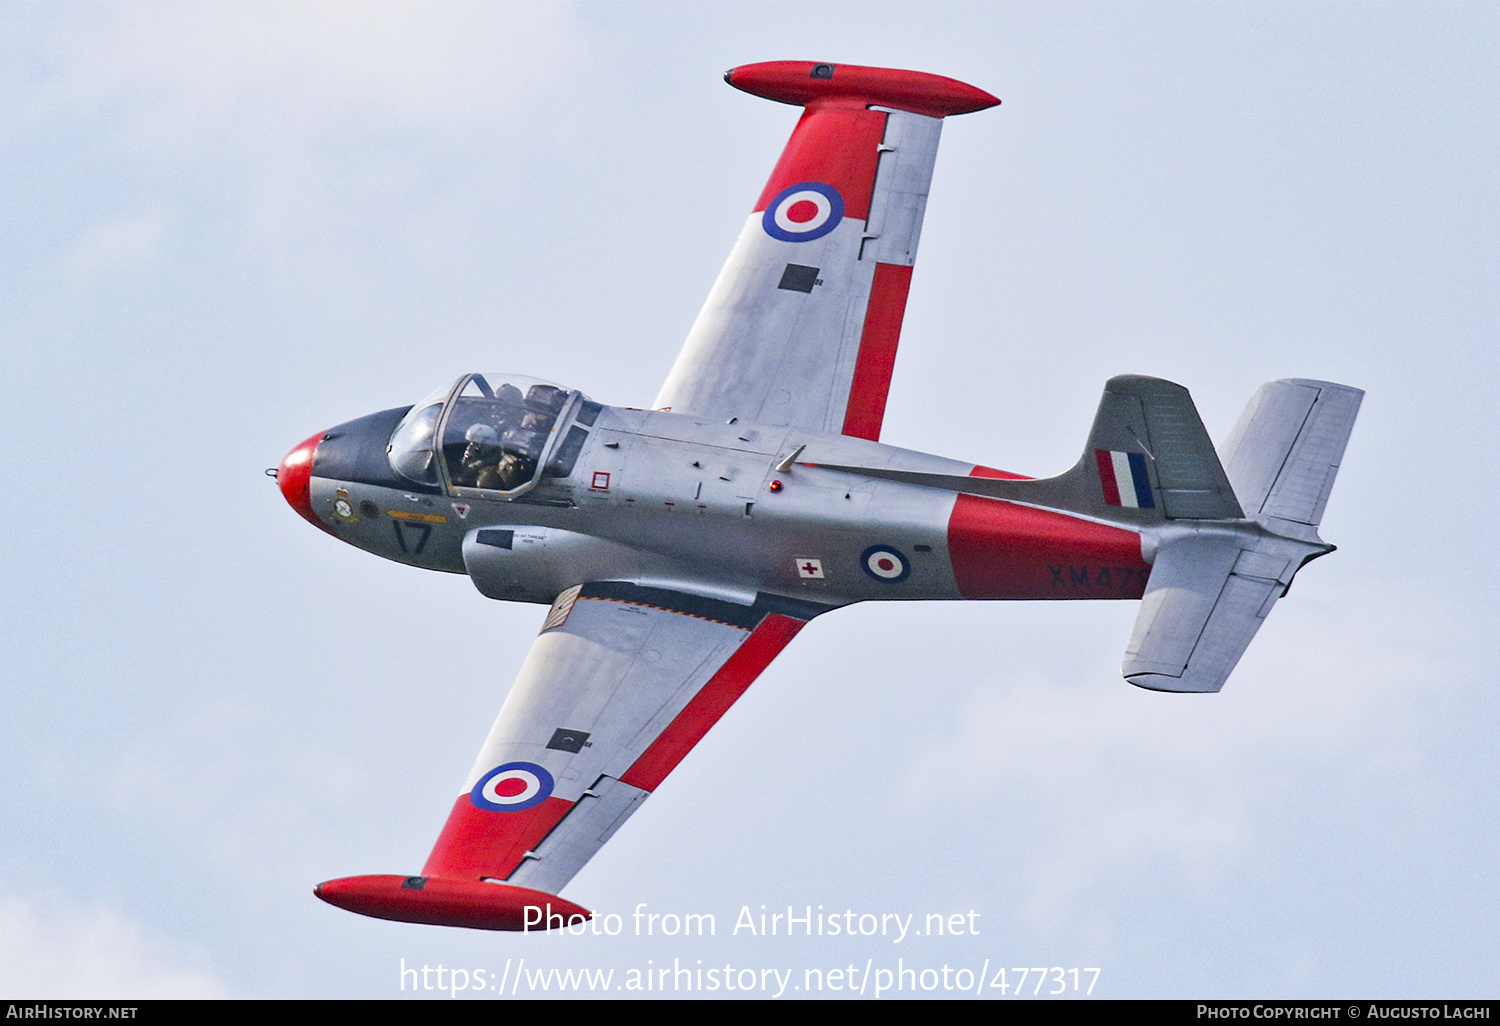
801	327
621	683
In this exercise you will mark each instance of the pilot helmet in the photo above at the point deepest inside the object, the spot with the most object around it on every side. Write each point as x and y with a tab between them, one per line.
482	434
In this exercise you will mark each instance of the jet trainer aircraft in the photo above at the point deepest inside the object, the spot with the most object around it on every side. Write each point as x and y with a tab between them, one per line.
681	548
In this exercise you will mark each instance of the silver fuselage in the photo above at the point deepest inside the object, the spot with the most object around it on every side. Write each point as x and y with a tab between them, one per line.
667	499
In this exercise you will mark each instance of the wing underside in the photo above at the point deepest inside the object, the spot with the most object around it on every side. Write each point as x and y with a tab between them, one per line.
619	686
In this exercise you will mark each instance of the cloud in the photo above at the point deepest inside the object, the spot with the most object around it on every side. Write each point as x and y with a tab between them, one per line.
53	950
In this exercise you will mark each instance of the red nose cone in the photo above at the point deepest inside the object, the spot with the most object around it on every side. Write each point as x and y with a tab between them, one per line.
295	475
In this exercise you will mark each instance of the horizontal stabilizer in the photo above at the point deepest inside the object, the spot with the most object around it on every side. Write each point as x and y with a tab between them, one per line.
1208	594
1285	450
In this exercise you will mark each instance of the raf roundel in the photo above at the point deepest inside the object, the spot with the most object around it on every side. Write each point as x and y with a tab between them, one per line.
885	564
512	787
803	212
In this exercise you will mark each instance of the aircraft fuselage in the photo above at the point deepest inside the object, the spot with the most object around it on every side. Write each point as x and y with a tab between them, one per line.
715	507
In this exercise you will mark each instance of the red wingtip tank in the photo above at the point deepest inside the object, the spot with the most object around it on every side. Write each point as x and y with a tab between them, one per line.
807	83
437	901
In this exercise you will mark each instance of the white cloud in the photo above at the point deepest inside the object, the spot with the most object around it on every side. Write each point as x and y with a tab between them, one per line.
53	949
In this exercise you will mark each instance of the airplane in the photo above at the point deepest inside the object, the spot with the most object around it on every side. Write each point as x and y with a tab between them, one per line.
680	548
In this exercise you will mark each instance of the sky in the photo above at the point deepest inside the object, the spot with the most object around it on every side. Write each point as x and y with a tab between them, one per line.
226	227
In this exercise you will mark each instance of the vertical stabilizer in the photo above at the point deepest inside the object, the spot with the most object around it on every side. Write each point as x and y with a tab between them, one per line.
1148	447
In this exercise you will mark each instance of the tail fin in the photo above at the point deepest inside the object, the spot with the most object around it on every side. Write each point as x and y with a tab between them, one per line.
1148	450
1212	585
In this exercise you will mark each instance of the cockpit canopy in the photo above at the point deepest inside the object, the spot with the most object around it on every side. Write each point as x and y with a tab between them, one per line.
499	435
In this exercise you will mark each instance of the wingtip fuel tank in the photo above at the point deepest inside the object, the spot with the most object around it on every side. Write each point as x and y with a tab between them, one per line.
805	82
437	901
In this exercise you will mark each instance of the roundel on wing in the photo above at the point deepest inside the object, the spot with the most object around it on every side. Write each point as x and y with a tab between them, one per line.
512	787
885	564
803	212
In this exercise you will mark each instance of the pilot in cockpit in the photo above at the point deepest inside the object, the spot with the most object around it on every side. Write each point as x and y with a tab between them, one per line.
481	457
491	462
496	435
509	394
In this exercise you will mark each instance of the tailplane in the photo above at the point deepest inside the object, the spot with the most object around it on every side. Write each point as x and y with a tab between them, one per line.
1285	450
1212	585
